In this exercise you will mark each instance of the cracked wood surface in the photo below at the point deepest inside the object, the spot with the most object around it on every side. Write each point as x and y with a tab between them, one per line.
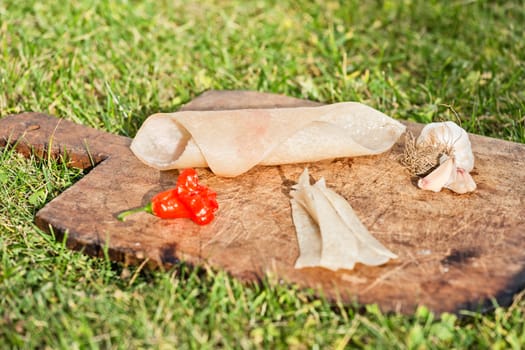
455	251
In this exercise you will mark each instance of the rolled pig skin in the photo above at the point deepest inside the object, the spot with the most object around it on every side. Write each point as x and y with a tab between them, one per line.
231	142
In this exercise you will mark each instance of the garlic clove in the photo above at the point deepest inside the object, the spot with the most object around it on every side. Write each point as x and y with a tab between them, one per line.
441	176
463	183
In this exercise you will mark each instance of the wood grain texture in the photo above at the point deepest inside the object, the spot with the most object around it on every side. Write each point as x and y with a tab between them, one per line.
455	251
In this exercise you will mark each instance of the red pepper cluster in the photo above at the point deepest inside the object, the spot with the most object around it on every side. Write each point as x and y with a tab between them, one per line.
188	199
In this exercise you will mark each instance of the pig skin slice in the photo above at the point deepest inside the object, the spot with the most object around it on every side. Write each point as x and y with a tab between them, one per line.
329	233
232	142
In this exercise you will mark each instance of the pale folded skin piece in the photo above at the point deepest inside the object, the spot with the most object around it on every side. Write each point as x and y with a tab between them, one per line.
329	233
232	142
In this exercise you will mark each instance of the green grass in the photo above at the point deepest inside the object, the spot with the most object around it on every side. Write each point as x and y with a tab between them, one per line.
110	64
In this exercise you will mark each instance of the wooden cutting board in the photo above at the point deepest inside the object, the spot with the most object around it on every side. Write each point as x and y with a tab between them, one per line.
455	251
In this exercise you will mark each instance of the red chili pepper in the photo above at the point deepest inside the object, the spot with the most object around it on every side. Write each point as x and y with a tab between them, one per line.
188	199
200	200
167	205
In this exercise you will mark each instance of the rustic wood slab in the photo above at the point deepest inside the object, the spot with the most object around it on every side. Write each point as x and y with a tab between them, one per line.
455	251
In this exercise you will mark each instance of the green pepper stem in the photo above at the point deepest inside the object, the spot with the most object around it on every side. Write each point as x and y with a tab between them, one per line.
147	208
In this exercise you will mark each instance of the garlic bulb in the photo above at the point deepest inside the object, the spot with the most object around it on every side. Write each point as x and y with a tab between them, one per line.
455	163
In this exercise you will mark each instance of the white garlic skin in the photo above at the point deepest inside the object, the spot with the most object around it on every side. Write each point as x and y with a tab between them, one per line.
454	169
452	135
